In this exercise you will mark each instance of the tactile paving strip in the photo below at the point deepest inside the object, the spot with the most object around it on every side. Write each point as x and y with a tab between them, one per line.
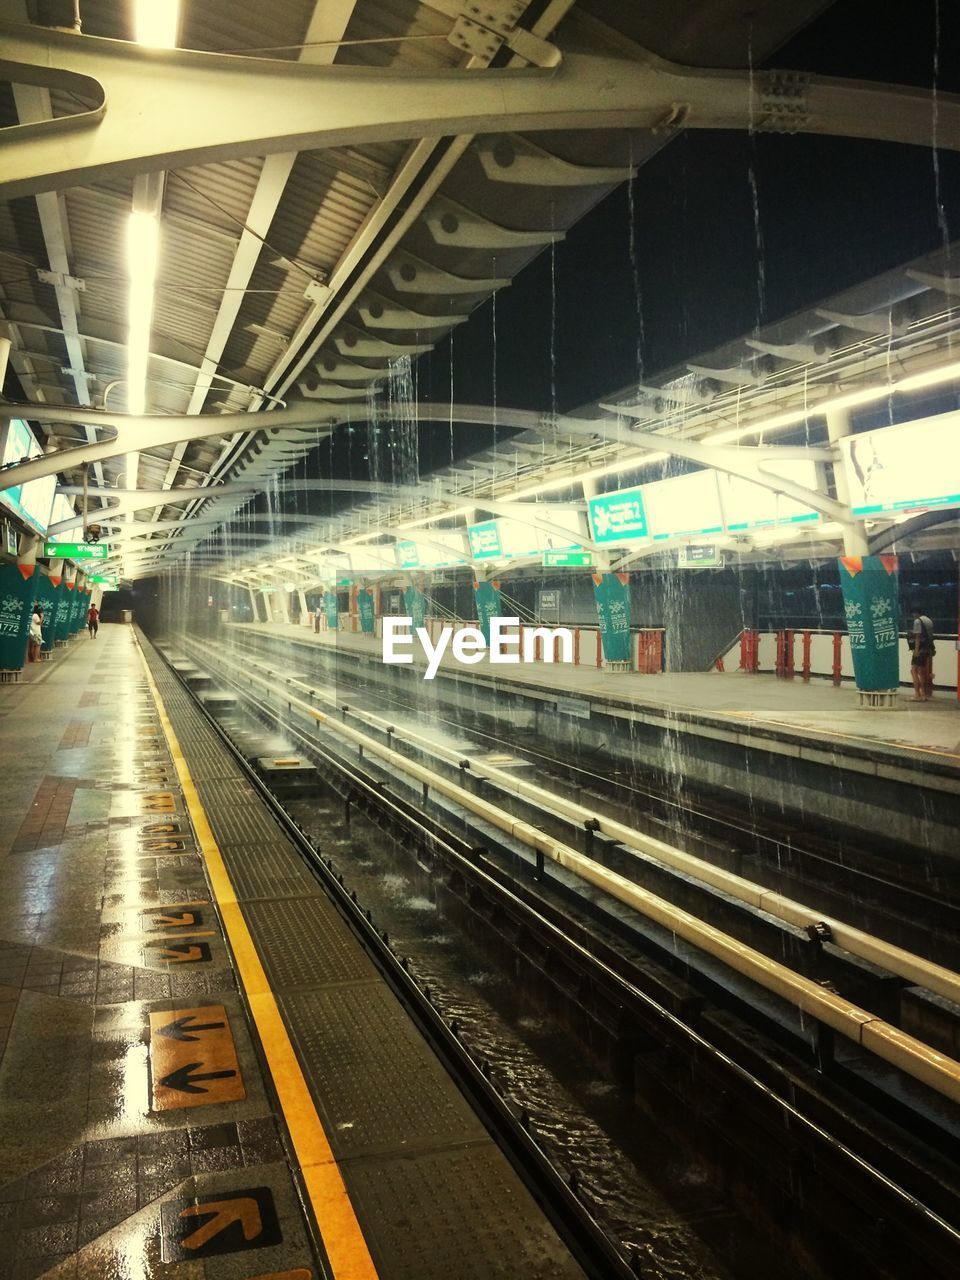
268	870
380	1087
305	943
508	1238
434	1196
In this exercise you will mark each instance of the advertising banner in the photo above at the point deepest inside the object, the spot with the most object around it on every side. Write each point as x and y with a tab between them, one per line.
57	630
871	603
488	604
366	610
330	606
415	604
485	541
618	517
16	609
612	594
909	467
46	595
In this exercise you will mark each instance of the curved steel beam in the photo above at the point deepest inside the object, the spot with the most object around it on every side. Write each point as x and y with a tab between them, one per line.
134	432
916	524
199	108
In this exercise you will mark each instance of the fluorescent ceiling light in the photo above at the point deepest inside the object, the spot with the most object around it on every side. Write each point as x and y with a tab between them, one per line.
847	400
440	515
156	22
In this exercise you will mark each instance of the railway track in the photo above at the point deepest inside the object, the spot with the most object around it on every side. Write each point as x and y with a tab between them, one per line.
748	959
909	897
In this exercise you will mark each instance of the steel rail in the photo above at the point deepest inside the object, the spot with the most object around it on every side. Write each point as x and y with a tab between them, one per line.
906	964
920	1061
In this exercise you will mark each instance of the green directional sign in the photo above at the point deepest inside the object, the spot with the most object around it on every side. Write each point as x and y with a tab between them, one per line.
101	580
567	559
76	550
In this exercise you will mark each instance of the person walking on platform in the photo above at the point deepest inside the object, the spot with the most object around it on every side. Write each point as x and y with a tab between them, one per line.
93	621
920	641
35	639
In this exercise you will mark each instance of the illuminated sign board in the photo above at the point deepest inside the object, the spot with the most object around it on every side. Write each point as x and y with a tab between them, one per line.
684	506
485	540
747	505
618	517
567	559
77	550
700	556
408	557
438	549
904	468
33	501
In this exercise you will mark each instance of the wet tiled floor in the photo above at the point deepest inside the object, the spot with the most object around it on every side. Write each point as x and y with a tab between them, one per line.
100	874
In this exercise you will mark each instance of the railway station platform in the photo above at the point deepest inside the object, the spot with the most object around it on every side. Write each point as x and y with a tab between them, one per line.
806	748
202	1071
811	710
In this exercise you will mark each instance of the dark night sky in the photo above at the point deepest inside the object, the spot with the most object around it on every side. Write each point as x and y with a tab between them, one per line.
832	213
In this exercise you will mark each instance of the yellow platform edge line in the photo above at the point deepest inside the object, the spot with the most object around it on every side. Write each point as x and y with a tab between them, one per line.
342	1237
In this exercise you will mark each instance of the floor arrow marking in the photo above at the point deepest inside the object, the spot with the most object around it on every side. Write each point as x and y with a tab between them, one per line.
245	1211
182	1030
184	1078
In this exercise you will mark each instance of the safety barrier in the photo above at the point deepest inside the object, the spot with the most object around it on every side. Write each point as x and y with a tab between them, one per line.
809	652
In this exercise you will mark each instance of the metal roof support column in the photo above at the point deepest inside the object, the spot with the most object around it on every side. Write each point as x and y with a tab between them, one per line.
854	535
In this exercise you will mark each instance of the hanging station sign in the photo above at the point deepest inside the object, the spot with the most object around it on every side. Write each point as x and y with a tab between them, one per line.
618	517
567	559
485	541
408	554
76	550
702	555
904	468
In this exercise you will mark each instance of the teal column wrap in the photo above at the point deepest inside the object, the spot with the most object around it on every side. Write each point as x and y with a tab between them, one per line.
330	605
45	593
16	609
871	601
365	608
612	594
415	603
488	605
61	622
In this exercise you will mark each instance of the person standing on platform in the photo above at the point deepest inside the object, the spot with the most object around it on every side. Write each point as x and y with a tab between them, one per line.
93	621
35	639
920	641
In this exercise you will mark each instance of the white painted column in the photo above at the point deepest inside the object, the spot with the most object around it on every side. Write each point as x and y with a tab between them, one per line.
267	610
253	604
854	535
302	597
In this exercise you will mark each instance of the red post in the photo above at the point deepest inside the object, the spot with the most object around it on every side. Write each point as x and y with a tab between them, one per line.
781	667
837	642
576	646
789	664
599	649
749	650
806	655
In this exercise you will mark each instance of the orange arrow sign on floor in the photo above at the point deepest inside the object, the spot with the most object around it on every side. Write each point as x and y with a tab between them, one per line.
225	1212
193	1060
